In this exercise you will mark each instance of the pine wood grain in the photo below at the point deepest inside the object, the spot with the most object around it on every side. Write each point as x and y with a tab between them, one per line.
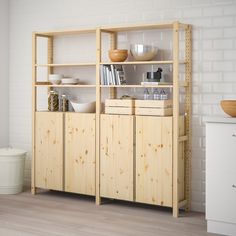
80	153
154	160
117	157
49	150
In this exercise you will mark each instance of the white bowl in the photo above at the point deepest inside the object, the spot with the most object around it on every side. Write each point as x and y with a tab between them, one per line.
55	78
88	107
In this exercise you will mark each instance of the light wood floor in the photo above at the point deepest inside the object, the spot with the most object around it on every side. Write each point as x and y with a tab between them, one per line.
53	213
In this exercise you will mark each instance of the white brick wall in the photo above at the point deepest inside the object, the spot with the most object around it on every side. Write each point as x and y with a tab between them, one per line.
4	117
214	45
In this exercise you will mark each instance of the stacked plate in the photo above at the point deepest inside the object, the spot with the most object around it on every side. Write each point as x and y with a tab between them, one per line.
69	81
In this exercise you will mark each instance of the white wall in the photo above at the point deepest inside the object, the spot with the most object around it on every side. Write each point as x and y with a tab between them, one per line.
214	56
4	73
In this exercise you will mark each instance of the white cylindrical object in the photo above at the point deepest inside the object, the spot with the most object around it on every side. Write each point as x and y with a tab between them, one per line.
12	163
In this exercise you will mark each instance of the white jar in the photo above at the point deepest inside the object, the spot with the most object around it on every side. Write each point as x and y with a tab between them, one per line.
11	170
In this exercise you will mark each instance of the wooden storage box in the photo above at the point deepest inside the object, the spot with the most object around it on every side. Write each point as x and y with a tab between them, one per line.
154	107
119	106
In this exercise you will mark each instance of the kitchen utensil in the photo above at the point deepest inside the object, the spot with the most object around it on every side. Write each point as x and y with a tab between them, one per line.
88	107
55	78
118	55
69	81
154	76
142	52
229	107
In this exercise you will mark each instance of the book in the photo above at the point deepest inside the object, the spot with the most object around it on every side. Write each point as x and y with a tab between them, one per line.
154	83
112	75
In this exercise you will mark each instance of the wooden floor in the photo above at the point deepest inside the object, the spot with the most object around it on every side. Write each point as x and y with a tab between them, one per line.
53	213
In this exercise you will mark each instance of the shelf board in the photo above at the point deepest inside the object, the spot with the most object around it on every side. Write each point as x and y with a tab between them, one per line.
138	86
141	62
167	85
164	85
74	112
167	25
109	63
65	64
138	27
65	32
49	85
136	63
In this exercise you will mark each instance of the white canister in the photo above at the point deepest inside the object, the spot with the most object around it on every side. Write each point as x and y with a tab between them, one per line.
11	170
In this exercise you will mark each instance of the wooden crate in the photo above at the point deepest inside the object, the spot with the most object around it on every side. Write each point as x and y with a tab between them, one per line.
154	103
119	106
153	107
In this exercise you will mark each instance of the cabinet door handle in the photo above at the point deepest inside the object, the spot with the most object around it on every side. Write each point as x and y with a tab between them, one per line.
233	186
233	135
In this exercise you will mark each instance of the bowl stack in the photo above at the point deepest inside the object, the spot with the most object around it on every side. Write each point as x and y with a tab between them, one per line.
55	78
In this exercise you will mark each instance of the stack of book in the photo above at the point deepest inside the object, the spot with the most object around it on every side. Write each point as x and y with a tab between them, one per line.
154	83
112	75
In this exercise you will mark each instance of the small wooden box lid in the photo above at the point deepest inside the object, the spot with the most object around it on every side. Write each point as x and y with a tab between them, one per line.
119	102
154	103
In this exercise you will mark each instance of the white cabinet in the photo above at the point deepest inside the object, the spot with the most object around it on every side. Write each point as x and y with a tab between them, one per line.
221	176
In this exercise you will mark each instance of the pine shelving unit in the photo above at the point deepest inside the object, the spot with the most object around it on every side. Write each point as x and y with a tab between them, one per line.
178	127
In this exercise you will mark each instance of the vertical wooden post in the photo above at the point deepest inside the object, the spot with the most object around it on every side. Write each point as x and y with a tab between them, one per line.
34	104
50	59
175	117
188	110
113	91
50	54
98	111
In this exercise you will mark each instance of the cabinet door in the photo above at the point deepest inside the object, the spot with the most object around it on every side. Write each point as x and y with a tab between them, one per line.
116	155
49	150
80	153
220	172
154	160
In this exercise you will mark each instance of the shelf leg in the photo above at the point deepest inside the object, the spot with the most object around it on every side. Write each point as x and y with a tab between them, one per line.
33	190
175	119
98	200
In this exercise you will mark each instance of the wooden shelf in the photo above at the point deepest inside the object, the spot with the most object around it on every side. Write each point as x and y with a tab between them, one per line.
65	32
138	86
136	63
45	84
63	112
140	62
65	64
167	85
49	85
110	29
142	27
100	129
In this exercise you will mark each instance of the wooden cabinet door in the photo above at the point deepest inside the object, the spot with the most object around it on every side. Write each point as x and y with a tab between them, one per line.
49	150
80	153
154	160
116	157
